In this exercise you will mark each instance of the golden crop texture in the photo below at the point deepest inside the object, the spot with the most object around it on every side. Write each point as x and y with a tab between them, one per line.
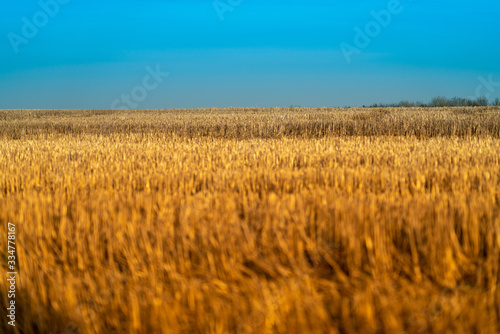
253	220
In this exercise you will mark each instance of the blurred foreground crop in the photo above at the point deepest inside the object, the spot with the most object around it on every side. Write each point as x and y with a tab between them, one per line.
253	220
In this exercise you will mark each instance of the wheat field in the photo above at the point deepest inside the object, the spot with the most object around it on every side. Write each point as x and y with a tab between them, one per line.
253	220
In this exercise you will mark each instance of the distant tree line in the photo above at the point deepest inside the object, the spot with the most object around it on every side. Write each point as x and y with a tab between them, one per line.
441	101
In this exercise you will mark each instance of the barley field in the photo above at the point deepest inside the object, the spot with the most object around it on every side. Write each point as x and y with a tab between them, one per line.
252	220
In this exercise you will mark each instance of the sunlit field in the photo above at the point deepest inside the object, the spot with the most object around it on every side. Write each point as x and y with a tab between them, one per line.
253	220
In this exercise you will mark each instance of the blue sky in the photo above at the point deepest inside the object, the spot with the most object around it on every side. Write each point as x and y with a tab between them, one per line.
90	54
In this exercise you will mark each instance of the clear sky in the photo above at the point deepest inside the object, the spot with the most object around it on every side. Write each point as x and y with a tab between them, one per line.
101	54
